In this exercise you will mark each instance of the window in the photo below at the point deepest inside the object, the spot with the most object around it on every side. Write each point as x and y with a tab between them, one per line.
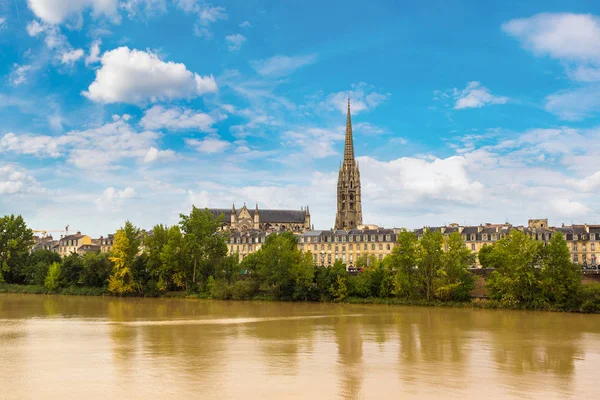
473	247
323	247
372	238
493	236
343	258
381	238
351	257
472	237
350	238
343	238
366	248
315	247
350	247
592	247
337	238
328	247
343	247
484	237
380	246
380	257
389	247
373	246
315	258
575	258
574	237
387	238
574	246
592	236
337	248
583	247
366	238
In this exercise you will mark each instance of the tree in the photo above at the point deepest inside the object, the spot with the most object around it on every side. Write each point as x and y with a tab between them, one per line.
404	261
16	240
455	281
37	266
52	281
71	270
430	256
172	271
203	244
125	250
96	269
560	277
486	257
516	279
153	245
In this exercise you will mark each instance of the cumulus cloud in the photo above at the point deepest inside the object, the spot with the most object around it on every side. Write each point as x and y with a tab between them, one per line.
567	208
280	65
207	15
235	41
35	145
58	11
112	199
475	96
575	104
14	181
177	118
363	97
210	144
138	77
315	142
562	35
245	24
145	8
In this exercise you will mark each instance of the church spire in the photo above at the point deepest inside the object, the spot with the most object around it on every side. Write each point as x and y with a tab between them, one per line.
349	145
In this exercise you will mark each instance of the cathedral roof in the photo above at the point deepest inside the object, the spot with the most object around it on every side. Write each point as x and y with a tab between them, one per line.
266	216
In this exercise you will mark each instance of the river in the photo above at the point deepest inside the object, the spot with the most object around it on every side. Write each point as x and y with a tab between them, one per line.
68	347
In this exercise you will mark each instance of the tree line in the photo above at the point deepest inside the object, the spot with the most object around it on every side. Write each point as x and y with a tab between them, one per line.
191	257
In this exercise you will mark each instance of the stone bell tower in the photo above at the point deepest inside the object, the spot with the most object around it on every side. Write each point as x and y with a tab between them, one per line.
349	204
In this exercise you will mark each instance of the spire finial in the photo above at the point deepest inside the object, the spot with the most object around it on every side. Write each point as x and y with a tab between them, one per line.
349	145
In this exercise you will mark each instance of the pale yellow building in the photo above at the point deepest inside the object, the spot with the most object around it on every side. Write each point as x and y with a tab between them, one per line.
71	243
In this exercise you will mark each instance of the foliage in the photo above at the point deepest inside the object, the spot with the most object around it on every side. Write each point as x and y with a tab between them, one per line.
455	282
125	250
15	241
52	281
560	277
404	261
590	298
38	263
517	278
71	269
96	269
430	258
486	260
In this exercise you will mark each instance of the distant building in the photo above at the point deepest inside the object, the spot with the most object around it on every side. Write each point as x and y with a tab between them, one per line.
71	243
245	219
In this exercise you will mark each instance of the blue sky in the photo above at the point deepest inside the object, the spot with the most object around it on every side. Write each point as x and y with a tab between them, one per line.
463	111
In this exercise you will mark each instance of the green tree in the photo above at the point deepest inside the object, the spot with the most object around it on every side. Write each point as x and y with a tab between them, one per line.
174	263
153	245
203	244
52	280
560	277
517	277
455	281
96	269
125	249
404	261
71	270
16	240
430	256
486	258
228	268
37	266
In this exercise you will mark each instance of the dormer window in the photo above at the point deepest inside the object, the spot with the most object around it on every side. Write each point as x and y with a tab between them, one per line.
472	237
484	237
493	236
574	237
592	236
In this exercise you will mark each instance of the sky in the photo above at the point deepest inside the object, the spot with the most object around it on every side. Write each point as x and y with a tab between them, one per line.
463	111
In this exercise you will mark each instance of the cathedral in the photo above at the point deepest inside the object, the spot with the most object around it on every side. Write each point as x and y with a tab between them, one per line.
244	219
349	205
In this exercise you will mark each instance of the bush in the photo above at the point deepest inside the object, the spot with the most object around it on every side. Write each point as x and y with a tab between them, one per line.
243	290
52	281
590	297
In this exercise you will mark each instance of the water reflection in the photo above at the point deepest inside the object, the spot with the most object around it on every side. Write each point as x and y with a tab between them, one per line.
183	348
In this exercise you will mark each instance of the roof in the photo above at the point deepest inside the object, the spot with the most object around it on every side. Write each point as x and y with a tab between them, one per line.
268	216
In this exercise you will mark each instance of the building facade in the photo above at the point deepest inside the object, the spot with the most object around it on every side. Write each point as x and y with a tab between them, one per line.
71	243
244	219
349	204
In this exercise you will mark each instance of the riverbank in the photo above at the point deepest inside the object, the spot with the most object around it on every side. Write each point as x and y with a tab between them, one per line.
591	306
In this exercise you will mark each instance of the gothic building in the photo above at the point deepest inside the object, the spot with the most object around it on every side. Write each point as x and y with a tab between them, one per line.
349	205
245	219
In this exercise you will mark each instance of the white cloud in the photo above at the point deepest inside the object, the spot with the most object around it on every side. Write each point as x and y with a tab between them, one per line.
18	76
106	146
207	15
575	104
210	144
94	55
566	208
475	96
564	36
112	199
210	14
57	11
362	98
155	154
315	142
34	28
245	24
138	77
145	8
282	65
70	57
235	41
2	21
159	117
587	184
14	181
